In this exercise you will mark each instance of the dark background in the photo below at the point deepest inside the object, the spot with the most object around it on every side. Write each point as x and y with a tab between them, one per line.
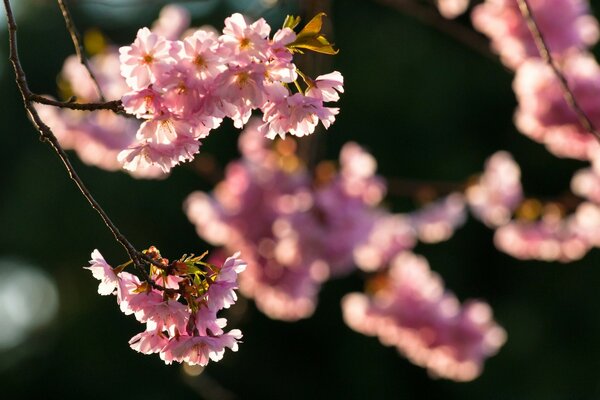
427	106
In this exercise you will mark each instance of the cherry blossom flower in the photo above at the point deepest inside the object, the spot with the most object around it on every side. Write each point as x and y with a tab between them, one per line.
104	273
145	60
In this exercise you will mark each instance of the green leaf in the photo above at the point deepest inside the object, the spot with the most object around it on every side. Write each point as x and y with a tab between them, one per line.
311	38
313	27
291	22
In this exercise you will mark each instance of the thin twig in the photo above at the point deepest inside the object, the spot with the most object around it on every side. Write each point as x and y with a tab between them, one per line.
429	16
542	47
46	135
115	105
75	37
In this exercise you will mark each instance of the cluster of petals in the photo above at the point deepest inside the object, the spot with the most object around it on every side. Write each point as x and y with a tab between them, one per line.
293	235
296	233
565	25
497	192
177	330
437	221
183	89
550	238
97	137
544	115
411	310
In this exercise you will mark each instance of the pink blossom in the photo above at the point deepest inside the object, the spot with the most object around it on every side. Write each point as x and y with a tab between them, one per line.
326	87
245	43
198	350
149	342
221	293
296	114
104	273
498	191
280	66
412	311
199	52
543	114
565	25
171	22
162	142
145	60
437	221
546	240
391	234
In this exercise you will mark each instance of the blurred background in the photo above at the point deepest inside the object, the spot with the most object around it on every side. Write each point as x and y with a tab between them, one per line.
427	106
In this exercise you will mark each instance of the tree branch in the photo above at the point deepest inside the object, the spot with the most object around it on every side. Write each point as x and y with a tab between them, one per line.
542	47
75	37
48	136
115	105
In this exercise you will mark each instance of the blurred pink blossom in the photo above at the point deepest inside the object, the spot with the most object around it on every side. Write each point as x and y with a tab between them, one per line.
543	114
498	190
565	25
411	310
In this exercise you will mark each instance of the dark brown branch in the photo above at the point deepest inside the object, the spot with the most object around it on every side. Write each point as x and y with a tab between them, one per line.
75	37
542	47
46	135
115	105
430	17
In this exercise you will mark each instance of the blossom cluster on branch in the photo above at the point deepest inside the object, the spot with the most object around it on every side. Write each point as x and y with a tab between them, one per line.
181	83
179	305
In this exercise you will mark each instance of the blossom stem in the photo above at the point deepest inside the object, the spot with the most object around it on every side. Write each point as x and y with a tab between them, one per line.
79	50
544	51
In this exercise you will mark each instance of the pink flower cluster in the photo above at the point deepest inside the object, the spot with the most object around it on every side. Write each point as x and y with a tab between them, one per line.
548	236
569	30
98	137
497	192
183	89
295	233
294	236
543	114
411	311
565	24
180	314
